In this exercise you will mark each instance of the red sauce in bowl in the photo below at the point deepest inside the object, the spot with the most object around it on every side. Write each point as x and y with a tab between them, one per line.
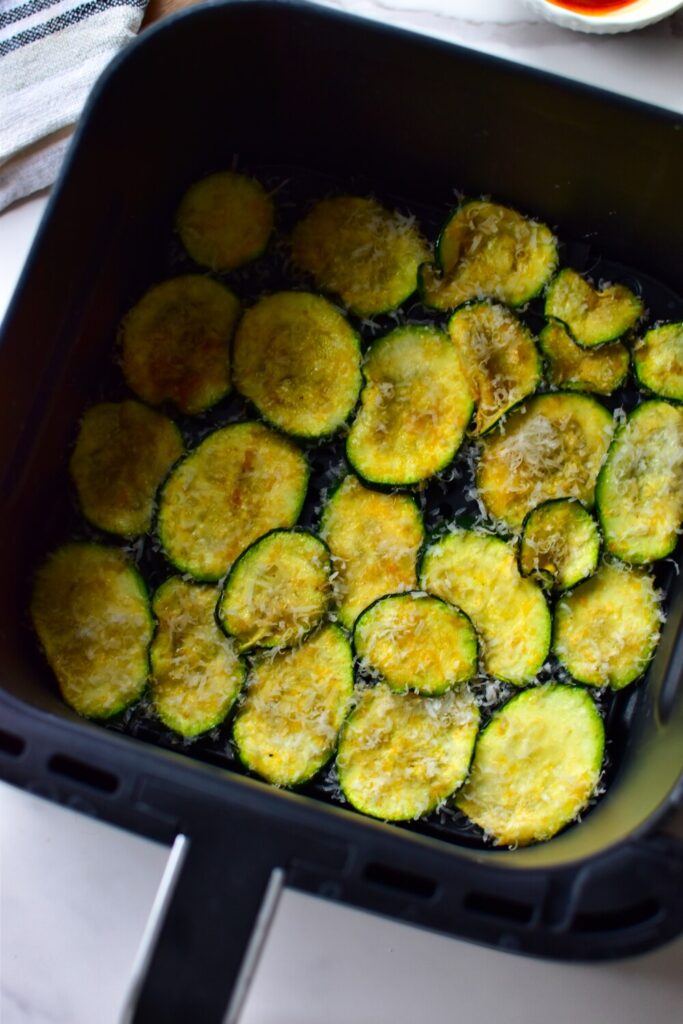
592	6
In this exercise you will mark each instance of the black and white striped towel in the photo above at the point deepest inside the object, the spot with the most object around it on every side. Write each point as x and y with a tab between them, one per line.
51	53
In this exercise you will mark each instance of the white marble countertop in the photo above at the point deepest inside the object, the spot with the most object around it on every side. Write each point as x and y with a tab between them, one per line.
75	893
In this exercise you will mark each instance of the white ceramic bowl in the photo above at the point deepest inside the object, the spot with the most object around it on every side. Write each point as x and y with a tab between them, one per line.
635	15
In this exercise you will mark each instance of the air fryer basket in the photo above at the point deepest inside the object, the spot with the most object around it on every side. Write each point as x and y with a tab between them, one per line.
287	84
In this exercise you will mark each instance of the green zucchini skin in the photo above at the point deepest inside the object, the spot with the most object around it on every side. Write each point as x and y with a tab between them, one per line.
658	361
536	765
598	371
563	553
297	569
415	408
594	316
639	490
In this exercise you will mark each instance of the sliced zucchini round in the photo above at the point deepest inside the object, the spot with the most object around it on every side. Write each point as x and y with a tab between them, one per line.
401	755
277	591
374	539
658	361
295	704
593	315
560	543
417	642
606	630
298	360
225	220
552	446
241	482
415	407
536	765
196	671
123	452
176	342
499	358
479	574
600	371
367	255
640	487
485	249
91	613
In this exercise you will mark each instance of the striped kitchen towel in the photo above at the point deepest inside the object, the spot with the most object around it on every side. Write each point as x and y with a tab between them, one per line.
51	53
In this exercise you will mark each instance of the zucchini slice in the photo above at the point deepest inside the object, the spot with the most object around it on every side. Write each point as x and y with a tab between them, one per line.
91	613
560	544
593	315
123	452
196	672
400	756
417	642
374	539
225	220
536	765
298	360
277	591
640	487
367	255
479	574
600	371
552	446
415	407
176	341
498	356
241	482
658	361
295	704
606	630
485	249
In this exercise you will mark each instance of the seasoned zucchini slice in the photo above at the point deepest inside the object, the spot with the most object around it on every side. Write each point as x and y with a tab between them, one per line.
658	361
551	447
298	360
498	356
415	407
593	315
569	366
488	250
640	487
91	613
536	765
295	704
560	543
277	590
374	539
196	672
417	642
238	484
401	755
479	574
225	220
123	452
606	630
176	340
367	255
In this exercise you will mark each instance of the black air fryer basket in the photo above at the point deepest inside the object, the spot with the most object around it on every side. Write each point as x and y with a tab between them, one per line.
285	85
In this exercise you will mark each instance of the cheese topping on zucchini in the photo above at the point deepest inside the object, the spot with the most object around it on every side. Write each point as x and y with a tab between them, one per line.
91	613
374	539
560	544
238	484
479	574
298	360
196	672
417	642
600	371
415	407
400	756
607	628
295	704
536	765
658	361
550	447
367	255
640	488
593	315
